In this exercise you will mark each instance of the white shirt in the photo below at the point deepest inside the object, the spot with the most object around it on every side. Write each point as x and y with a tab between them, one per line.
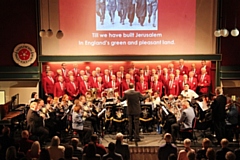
189	94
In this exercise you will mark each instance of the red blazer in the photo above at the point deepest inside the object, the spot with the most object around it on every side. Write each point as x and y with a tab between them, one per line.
58	90
140	87
71	90
75	72
80	79
173	88
165	79
204	83
64	74
105	79
109	85
100	88
125	85
137	78
171	71
181	85
183	70
83	87
193	84
207	69
92	80
48	85
157	87
112	72
196	73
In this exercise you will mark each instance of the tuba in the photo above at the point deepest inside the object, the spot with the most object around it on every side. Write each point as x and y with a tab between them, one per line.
109	93
91	94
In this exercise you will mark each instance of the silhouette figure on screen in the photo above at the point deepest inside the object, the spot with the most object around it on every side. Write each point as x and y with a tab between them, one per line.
112	6
131	10
152	11
141	11
122	10
100	9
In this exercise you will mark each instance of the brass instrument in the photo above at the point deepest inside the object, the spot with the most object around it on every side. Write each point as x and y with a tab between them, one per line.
109	93
91	94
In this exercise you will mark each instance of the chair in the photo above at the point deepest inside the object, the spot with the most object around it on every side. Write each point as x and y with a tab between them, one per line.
189	132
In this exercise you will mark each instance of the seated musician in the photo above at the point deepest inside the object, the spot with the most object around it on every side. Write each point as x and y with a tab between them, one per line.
78	124
156	99
231	119
35	122
185	121
34	96
189	94
87	112
172	107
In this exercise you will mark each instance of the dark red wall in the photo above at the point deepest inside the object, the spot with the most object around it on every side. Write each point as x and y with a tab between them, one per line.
18	24
230	46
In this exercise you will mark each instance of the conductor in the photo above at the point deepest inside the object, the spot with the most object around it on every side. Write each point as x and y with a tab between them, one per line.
133	110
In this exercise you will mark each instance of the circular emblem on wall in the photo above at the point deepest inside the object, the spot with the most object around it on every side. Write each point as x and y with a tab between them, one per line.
24	55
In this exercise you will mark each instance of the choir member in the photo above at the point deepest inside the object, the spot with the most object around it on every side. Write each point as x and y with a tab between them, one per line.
171	68
106	77
156	85
87	71
100	86
48	84
84	85
147	71
111	70
59	88
192	81
183	82
123	73
204	65
183	69
159	70
72	88
64	70
172	87
178	76
113	84
204	82
59	73
81	75
93	78
98	71
126	82
75	70
142	85
194	70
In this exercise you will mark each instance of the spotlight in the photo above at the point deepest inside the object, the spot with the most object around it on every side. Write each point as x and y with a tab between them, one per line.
59	34
42	33
235	32
217	33
49	32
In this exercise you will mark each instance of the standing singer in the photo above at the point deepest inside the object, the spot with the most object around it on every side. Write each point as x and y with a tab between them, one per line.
133	110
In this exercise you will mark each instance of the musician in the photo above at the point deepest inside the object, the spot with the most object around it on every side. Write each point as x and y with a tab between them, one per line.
165	77
44	73
123	73
72	89
142	85
185	121
34	96
172	86
59	88
133	110
67	79
48	84
159	70
147	71
156	85
78	124
80	79
156	99
111	70
231	119
189	94
172	107
192	81
204	82
135	70
100	86
141	74
132	75
151	77
64	69
87	112
183	69
84	85
35	122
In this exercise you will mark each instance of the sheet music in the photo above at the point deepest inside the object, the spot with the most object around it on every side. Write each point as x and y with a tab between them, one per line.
124	103
202	106
165	110
100	113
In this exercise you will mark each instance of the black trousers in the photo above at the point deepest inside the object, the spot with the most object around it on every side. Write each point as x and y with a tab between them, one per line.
219	128
42	132
133	119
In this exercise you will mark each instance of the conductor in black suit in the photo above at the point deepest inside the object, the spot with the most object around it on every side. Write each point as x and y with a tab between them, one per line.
133	110
219	114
